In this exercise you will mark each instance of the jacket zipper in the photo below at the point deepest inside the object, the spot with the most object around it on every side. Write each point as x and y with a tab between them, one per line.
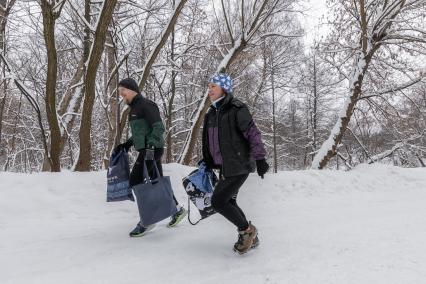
218	139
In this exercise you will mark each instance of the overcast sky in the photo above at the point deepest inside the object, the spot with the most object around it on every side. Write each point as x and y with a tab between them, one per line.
311	21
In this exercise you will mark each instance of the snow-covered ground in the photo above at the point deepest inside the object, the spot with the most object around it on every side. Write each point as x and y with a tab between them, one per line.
363	226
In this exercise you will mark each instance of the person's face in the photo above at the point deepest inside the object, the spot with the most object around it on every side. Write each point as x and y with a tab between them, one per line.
215	92
126	94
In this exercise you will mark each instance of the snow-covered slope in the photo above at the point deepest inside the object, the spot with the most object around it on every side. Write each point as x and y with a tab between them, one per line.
363	226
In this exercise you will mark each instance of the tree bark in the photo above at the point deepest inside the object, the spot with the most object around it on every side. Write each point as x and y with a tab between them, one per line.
169	121
49	19
205	104
97	48
239	45
73	96
18	117
112	99
3	82
367	49
4	14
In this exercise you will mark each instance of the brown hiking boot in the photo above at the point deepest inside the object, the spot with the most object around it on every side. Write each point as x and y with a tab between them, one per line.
255	242
246	240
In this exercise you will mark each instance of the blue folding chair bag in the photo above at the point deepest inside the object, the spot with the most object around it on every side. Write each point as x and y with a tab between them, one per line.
199	185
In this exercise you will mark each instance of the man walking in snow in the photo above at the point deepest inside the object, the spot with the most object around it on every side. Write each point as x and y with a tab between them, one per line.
148	139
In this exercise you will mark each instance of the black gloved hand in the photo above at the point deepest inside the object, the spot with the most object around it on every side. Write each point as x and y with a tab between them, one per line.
149	153
209	166
262	167
124	146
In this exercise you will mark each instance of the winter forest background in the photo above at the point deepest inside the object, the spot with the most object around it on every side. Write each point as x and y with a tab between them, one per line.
356	94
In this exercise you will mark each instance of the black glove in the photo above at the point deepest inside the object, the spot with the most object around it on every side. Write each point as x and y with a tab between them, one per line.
124	146
205	164
262	167
149	153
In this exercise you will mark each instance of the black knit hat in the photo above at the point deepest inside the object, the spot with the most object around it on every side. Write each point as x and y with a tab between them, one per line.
130	84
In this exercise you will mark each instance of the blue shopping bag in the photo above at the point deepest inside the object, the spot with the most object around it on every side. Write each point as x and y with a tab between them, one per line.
154	197
118	188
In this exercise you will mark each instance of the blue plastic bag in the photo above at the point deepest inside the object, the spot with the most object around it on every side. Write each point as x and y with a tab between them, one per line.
118	188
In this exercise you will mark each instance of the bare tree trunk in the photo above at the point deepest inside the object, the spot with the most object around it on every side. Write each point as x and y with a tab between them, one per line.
67	110
3	82
293	116
169	121
84	157
5	8
13	144
328	149
72	99
315	109
111	91
49	18
204	106
274	124
2	104
260	15
367	49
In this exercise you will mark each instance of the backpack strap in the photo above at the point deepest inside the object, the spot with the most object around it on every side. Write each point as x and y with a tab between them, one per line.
189	214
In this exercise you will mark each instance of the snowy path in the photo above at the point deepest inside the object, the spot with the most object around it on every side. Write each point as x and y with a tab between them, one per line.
363	226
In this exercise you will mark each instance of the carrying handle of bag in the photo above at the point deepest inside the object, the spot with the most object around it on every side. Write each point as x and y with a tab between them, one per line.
115	156
146	176
189	214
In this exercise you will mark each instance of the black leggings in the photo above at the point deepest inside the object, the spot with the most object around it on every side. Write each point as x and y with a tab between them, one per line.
224	200
136	175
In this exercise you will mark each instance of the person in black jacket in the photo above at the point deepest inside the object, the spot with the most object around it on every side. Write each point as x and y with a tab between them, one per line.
148	139
232	143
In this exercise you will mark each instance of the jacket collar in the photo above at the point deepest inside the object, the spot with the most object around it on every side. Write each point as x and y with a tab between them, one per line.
218	102
227	99
137	98
223	102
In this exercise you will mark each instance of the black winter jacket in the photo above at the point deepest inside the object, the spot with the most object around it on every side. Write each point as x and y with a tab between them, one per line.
238	136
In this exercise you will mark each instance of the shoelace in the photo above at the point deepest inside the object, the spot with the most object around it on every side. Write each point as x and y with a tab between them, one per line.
240	239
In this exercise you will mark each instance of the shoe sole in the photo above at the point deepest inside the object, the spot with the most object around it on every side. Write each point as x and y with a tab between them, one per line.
252	247
178	220
138	236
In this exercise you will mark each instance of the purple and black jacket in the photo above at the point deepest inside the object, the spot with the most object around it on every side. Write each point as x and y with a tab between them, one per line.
231	140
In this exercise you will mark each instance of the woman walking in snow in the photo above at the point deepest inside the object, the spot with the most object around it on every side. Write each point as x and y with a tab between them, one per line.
232	143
